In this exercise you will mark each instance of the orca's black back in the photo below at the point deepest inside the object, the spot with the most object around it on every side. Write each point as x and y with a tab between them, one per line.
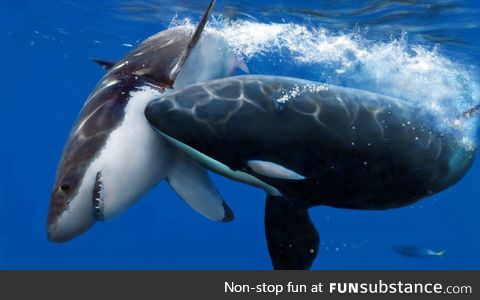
355	149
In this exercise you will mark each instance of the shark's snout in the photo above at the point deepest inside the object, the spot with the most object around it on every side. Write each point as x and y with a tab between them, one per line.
73	221
65	230
71	216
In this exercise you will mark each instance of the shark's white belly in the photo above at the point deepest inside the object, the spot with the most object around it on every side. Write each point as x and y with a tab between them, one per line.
134	159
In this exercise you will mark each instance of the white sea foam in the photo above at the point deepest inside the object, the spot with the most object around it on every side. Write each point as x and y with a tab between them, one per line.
419	74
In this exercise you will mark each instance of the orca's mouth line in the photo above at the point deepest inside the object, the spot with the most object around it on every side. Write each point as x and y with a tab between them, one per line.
97	198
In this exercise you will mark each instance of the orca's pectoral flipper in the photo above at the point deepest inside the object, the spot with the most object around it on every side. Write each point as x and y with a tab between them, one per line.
194	40
105	64
291	236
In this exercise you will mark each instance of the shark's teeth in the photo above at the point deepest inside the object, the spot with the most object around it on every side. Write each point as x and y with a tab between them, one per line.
97	198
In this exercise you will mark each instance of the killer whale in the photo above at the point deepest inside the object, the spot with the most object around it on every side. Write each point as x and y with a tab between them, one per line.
112	156
308	144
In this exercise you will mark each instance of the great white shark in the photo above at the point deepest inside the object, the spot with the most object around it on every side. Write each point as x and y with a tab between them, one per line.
308	144
113	156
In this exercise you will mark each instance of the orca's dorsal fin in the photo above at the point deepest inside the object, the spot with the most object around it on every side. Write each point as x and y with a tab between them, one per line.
105	64
195	38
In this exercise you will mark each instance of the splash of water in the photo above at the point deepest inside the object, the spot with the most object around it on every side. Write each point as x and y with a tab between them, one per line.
418	74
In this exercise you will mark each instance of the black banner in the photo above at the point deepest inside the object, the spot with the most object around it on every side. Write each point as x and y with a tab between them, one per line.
240	284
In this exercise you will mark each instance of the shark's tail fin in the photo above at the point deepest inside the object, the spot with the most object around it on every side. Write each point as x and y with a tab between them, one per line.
195	38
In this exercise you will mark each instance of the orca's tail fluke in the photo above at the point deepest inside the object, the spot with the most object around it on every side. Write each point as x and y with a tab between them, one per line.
292	238
195	38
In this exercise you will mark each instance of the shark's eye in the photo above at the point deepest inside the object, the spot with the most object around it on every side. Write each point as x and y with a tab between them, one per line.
65	187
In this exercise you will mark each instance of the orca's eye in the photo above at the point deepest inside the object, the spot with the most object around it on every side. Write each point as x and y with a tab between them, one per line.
65	187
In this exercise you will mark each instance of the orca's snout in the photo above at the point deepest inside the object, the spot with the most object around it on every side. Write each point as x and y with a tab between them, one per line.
155	110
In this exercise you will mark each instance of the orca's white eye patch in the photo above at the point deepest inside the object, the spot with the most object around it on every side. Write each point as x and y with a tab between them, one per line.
273	170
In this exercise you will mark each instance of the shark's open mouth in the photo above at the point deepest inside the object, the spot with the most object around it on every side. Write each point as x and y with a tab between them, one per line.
97	198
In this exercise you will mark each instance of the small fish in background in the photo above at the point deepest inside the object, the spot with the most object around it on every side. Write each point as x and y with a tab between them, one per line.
414	251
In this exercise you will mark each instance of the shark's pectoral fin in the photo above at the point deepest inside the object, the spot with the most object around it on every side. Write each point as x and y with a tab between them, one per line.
105	64
192	183
291	236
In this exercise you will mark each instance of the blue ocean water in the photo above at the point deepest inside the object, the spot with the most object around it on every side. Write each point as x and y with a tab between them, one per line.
426	52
